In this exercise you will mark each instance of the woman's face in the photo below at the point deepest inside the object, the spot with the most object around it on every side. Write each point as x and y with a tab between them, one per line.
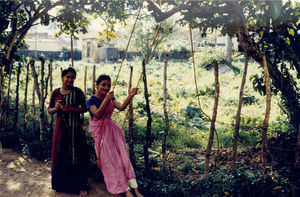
104	87
68	79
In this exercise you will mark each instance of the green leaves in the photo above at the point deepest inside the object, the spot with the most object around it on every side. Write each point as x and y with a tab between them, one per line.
72	20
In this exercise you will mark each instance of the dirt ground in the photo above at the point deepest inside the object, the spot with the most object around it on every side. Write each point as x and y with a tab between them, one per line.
21	176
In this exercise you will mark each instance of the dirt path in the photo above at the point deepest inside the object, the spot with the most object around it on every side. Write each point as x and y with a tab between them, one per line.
21	176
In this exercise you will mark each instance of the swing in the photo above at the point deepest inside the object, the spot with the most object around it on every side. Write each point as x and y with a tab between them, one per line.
124	55
145	63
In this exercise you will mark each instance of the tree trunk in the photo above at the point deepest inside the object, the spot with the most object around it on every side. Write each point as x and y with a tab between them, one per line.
213	120
42	111
37	90
25	95
130	122
267	114
94	80
72	52
238	117
228	52
15	125
149	122
164	140
18	33
281	82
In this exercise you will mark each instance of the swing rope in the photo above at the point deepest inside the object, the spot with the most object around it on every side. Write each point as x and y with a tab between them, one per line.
195	77
147	59
125	53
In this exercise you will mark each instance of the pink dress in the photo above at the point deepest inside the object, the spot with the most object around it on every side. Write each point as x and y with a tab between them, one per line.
112	156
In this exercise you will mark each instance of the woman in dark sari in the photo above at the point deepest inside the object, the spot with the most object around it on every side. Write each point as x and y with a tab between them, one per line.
69	157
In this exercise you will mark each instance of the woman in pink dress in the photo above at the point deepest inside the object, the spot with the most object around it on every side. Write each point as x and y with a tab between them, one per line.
110	144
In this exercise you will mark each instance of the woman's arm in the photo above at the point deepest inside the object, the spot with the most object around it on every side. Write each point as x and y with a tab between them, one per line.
82	103
53	110
54	105
98	112
123	106
73	109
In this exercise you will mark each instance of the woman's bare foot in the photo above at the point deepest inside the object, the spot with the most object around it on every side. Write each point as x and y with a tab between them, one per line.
137	193
128	193
83	193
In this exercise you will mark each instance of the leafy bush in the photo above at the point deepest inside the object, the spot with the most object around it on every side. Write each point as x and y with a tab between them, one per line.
249	99
208	55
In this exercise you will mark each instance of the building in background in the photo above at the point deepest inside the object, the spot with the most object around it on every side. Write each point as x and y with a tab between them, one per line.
93	51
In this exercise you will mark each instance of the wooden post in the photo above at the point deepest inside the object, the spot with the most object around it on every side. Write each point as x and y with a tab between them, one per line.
238	117
212	123
32	62
94	80
16	115
42	97
26	94
130	122
7	100
37	90
72	52
84	83
50	68
163	146
147	145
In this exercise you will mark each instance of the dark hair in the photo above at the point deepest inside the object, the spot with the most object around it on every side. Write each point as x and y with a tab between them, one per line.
101	78
68	70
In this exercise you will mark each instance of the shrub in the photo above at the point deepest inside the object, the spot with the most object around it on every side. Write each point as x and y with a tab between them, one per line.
206	57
